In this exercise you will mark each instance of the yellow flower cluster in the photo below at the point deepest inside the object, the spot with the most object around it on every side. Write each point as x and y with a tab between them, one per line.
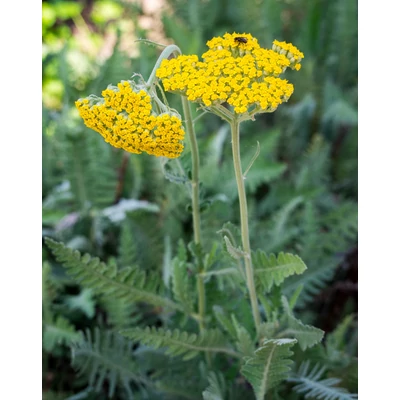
124	118
235	70
293	54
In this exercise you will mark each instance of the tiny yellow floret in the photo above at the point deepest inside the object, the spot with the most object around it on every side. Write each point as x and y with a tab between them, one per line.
235	70
125	120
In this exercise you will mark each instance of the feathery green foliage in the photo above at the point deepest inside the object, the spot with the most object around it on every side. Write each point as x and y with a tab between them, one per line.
60	331
107	357
220	389
217	388
120	314
269	366
181	343
183	292
300	166
226	323
127	251
322	243
128	283
306	335
244	344
86	160
310	384
271	270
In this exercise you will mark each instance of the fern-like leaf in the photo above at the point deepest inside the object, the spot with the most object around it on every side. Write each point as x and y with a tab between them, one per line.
244	343
121	314
306	335
337	338
59	332
323	242
311	386
180	343
271	270
224	321
129	284
107	357
269	366
316	278
127	250
181	286
217	388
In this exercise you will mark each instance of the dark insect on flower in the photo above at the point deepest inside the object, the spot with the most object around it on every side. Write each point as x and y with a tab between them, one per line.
240	39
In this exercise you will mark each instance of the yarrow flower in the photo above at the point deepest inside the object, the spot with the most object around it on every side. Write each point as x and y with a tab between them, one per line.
235	70
125	119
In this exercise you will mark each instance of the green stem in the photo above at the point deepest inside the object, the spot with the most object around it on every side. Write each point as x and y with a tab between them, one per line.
195	170
244	222
201	291
195	204
164	55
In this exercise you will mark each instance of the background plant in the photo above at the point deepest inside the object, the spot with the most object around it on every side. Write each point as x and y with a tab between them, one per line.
302	193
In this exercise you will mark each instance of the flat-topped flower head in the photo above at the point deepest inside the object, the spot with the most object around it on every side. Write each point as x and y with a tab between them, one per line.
235	71
125	119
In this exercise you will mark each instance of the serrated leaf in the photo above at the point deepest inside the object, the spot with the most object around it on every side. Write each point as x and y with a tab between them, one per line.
224	321
217	388
271	270
180	285
306	335
106	357
269	366
130	284
59	332
311	386
244	343
181	343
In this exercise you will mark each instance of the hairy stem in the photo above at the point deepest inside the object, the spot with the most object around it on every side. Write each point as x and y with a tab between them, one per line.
164	55
195	202
201	291
244	223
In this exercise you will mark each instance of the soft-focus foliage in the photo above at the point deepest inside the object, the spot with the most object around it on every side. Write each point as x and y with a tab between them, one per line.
136	225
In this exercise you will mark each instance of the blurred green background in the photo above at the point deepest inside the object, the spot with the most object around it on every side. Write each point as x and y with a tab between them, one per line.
302	189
